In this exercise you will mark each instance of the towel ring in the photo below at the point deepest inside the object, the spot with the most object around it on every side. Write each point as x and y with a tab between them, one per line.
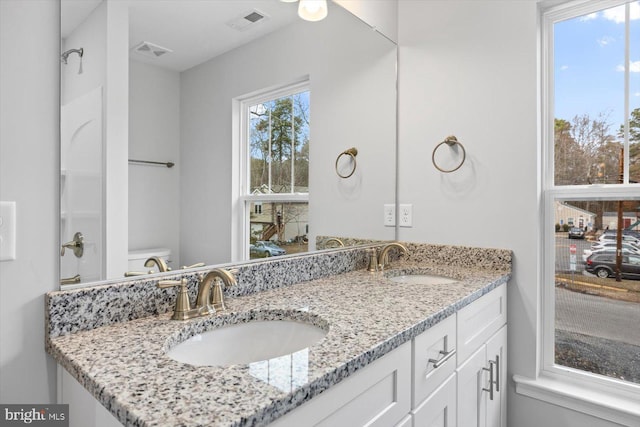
450	141
351	152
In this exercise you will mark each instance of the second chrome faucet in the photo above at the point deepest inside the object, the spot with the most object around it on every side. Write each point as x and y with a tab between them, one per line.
210	297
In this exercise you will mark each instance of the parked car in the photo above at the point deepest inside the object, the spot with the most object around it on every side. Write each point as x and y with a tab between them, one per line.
625	232
576	233
599	246
264	248
611	237
604	265
625	251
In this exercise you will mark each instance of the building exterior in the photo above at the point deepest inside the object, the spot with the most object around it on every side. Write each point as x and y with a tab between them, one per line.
573	216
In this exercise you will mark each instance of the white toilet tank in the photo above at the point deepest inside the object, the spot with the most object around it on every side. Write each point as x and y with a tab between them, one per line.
137	258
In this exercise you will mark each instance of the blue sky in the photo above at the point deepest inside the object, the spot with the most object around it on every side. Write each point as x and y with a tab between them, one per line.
589	64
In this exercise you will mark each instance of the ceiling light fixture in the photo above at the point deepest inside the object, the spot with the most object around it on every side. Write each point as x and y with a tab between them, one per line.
311	10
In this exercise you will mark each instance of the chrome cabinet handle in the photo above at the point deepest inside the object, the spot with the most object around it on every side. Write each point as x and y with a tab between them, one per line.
494	366
497	373
446	354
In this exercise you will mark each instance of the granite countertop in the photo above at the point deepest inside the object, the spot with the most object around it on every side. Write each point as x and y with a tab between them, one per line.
125	367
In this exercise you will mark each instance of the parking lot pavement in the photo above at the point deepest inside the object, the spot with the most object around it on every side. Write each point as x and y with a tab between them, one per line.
563	246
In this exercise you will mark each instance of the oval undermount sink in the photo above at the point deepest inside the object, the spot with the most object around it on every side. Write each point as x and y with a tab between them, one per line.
245	343
423	279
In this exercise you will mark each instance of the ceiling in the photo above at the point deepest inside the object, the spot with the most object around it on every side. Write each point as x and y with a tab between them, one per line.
193	30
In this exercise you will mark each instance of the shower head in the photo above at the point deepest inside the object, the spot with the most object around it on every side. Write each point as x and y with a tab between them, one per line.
65	56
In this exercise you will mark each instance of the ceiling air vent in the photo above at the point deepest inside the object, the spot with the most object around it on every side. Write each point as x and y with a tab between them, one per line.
150	49
247	20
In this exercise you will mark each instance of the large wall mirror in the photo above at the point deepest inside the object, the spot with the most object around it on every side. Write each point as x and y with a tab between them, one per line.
156	151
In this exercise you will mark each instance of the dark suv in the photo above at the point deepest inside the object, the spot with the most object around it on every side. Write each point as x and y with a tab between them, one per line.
604	265
576	233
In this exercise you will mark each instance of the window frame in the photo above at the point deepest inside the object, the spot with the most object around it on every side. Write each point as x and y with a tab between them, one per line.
242	198
593	394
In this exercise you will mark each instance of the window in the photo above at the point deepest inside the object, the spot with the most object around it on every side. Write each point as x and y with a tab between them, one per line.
591	133
274	187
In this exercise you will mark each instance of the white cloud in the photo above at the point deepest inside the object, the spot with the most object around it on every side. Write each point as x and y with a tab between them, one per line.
564	67
616	14
605	40
634	67
636	94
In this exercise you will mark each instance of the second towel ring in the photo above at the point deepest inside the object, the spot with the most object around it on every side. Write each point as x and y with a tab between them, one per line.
352	153
450	141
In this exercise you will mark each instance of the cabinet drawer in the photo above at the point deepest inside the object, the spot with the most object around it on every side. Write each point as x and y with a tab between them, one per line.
434	358
377	395
478	321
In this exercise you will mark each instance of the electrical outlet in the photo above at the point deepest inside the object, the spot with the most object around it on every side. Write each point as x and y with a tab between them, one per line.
406	215
389	215
7	231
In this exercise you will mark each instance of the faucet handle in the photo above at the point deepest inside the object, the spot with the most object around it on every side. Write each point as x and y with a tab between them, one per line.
226	278
217	296
373	260
196	265
183	306
136	273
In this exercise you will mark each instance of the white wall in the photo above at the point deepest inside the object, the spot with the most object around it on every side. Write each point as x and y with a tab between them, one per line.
154	134
469	68
29	175
344	66
381	14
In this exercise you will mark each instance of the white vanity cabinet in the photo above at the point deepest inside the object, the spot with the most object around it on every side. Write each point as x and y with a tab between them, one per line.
482	368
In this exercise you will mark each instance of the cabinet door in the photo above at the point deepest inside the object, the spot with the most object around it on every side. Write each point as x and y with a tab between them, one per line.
472	379
482	390
439	409
497	354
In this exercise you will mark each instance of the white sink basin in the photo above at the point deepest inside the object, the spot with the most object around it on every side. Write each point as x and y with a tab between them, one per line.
244	343
423	279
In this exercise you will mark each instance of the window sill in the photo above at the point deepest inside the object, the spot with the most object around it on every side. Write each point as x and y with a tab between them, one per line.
609	406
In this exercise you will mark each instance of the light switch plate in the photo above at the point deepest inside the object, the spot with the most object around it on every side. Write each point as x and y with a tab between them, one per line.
7	231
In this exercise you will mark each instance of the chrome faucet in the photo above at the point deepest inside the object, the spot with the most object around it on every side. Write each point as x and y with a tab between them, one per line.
383	257
162	265
212	288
